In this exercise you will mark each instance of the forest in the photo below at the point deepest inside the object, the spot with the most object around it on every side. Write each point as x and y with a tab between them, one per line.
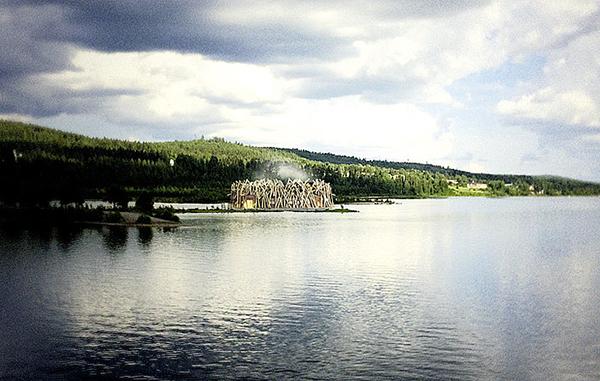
39	164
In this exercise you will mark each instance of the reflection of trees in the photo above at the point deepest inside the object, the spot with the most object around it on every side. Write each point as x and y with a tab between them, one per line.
67	234
145	235
115	237
12	238
10	232
41	234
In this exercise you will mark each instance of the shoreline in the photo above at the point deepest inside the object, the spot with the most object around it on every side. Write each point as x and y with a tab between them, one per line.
129	225
63	216
278	210
57	216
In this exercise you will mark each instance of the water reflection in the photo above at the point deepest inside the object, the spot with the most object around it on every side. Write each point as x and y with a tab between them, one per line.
429	289
145	235
41	234
115	238
66	235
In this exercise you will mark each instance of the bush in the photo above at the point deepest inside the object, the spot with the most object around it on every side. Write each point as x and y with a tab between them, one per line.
166	213
85	214
143	219
114	217
145	202
94	214
118	196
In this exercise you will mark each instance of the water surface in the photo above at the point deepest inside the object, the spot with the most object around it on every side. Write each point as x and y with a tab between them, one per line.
425	289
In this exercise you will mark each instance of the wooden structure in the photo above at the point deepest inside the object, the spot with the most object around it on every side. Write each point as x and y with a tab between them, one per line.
275	194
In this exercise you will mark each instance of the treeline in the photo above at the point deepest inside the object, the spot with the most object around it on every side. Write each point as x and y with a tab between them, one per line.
450	173
344	159
499	184
39	164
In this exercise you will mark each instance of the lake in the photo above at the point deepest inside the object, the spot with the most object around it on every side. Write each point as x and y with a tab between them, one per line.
461	288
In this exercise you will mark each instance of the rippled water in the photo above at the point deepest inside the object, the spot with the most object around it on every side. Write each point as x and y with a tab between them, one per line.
453	289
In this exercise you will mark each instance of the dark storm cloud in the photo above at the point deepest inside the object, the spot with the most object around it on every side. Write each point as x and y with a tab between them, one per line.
41	36
22	46
183	26
26	51
24	95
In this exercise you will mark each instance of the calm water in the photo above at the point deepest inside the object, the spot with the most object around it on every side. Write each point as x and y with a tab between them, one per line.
453	289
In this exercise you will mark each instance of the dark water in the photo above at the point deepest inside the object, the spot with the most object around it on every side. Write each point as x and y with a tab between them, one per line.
428	289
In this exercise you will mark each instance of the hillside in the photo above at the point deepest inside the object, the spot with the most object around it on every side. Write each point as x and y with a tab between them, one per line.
451	173
38	164
343	159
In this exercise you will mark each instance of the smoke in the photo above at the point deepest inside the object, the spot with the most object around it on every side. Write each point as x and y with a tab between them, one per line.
288	171
283	171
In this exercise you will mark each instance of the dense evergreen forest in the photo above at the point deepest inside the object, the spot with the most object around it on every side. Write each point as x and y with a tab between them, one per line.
39	164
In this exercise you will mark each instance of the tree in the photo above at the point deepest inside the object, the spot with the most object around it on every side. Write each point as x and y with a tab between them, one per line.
145	202
117	196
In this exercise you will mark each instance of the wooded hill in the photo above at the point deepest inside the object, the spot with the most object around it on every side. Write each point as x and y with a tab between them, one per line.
38	164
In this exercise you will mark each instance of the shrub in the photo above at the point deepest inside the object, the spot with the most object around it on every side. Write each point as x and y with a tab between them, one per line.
145	202
166	213
114	217
118	196
143	219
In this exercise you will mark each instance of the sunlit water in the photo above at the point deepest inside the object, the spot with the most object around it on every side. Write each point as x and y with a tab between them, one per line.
453	289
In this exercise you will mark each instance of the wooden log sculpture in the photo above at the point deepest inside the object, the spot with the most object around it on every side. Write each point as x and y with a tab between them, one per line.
275	194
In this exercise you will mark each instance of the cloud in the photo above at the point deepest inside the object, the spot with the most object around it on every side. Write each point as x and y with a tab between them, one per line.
243	102
386	52
562	106
205	27
568	93
573	107
346	124
166	87
23	49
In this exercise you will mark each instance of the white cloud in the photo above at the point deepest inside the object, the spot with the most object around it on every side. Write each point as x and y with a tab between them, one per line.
346	124
247	103
593	138
429	54
574	107
569	92
18	117
168	87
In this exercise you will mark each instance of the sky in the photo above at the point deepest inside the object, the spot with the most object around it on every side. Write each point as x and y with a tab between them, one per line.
485	86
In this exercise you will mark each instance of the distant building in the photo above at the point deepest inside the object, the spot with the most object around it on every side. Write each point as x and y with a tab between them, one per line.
477	186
